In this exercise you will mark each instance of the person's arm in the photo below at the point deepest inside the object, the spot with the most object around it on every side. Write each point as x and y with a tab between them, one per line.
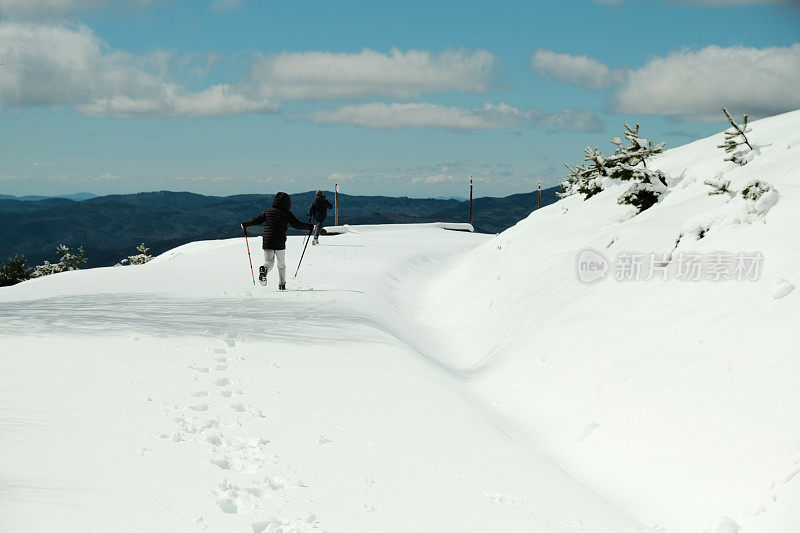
296	224
330	206
255	221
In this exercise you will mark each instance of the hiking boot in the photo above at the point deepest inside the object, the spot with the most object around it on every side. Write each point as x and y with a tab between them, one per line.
282	286
315	241
262	275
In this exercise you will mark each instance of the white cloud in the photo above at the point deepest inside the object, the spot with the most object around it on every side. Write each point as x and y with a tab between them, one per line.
424	115
573	120
174	101
437	178
68	65
582	70
55	65
325	75
694	84
686	84
435	116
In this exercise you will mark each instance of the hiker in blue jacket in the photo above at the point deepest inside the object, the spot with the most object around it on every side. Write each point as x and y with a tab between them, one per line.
319	211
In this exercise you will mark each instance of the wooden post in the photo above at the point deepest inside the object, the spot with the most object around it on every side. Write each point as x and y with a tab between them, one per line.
539	206
470	199
336	205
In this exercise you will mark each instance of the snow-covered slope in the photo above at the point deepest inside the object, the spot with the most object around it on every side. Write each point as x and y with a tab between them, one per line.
677	399
417	379
175	396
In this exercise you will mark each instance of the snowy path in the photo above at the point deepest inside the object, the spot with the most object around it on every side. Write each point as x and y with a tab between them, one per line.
178	397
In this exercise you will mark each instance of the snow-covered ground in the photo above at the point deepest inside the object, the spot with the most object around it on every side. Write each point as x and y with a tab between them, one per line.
175	396
418	379
678	400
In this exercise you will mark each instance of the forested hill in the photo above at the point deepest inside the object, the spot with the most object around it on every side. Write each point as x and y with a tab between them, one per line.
110	227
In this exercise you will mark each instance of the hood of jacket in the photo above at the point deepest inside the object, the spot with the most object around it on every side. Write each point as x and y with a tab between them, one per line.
282	201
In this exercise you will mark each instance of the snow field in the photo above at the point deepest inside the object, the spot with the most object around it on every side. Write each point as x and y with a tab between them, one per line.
416	379
675	399
176	396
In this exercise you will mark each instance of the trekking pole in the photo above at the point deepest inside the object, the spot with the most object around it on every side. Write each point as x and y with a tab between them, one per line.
308	238
248	256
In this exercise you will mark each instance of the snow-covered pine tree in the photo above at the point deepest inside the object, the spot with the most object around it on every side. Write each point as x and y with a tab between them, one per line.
139	259
45	269
719	186
755	190
736	137
647	189
582	179
640	150
571	181
14	271
68	261
626	158
627	163
591	180
759	197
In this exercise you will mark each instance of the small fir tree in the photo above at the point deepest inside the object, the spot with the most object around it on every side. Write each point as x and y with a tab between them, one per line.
627	163
139	259
719	187
647	189
735	138
68	261
14	271
45	269
755	189
640	150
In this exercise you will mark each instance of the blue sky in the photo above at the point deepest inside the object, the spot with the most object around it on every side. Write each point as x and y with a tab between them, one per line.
409	98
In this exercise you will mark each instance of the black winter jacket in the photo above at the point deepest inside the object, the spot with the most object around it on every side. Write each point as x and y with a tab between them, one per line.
319	209
276	220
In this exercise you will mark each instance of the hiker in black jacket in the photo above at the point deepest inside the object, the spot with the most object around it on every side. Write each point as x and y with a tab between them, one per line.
318	211
276	220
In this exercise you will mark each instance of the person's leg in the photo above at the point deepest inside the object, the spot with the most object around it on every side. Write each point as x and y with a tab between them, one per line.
266	267
269	259
281	255
317	229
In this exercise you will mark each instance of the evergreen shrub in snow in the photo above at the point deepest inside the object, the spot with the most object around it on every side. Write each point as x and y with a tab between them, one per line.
627	163
14	271
719	186
139	259
755	190
736	139
760	197
68	261
647	189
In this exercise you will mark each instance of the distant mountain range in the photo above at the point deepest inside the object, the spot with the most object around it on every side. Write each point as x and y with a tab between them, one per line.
78	197
110	227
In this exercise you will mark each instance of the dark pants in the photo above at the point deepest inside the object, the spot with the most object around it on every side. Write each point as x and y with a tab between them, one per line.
318	229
